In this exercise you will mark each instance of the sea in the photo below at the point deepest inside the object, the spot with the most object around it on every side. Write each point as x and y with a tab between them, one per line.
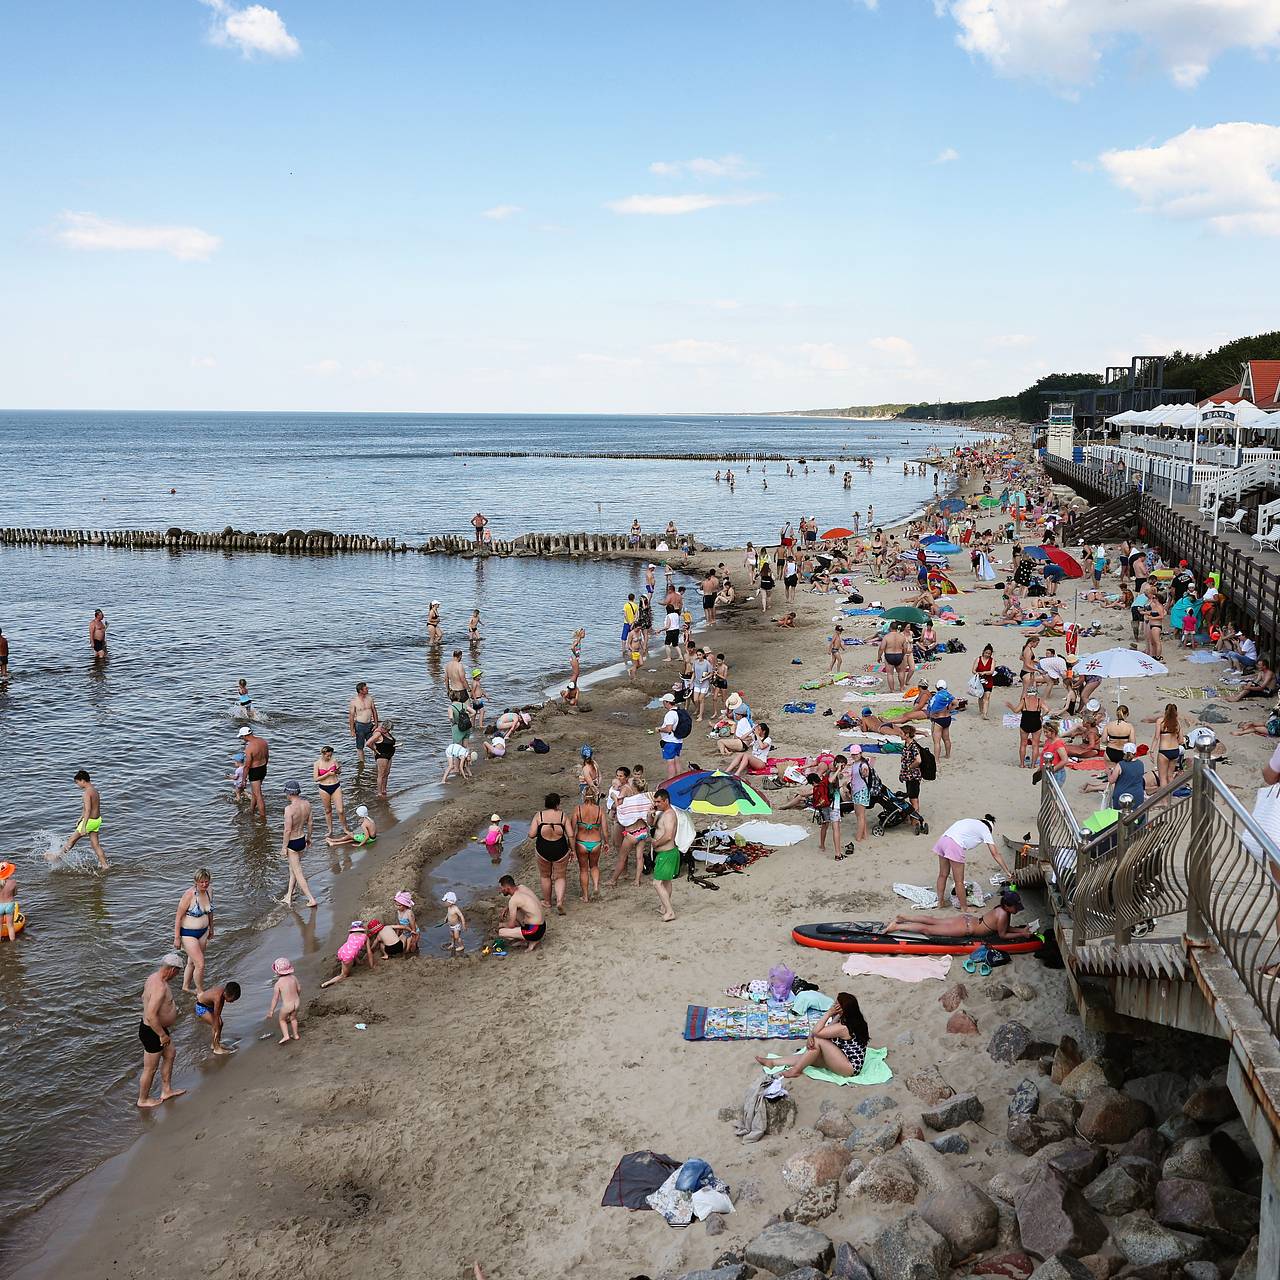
156	723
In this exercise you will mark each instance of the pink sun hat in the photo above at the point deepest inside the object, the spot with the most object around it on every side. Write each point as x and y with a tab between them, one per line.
283	967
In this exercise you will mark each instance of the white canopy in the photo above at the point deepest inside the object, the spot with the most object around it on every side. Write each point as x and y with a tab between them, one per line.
1243	413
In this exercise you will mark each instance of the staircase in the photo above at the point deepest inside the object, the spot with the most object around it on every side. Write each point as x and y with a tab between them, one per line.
1115	518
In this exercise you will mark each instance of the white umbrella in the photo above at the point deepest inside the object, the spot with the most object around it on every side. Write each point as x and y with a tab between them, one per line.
1120	664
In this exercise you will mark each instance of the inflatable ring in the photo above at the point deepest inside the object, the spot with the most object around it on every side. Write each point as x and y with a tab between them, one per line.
19	923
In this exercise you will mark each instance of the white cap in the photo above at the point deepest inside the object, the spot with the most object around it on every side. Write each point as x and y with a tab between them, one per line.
942	684
668	697
451	898
495	817
1130	749
1093	705
245	732
435	602
362	811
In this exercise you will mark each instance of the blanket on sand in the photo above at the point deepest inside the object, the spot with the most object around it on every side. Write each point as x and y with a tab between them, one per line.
753	1022
875	1070
904	968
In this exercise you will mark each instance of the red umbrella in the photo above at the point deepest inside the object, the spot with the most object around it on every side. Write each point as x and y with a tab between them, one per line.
1068	564
834	535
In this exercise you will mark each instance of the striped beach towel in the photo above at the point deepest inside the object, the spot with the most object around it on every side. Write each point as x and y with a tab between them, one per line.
770	1021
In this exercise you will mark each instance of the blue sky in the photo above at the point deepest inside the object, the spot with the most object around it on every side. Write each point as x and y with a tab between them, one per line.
691	206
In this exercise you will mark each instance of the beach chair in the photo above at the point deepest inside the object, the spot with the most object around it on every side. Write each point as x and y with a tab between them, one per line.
1234	521
1268	539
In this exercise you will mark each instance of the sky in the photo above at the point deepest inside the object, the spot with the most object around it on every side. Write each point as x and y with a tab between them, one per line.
695	205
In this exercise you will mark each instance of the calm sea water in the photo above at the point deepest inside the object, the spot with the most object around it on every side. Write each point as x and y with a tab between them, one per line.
156	724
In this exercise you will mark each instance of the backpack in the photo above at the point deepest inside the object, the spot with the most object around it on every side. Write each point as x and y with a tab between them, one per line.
1002	677
684	723
928	765
539	746
461	720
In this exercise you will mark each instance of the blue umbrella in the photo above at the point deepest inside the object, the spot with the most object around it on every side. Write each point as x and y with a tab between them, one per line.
1036	553
944	548
951	504
933	537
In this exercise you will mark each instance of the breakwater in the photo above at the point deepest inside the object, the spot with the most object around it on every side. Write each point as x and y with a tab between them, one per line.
634	456
325	542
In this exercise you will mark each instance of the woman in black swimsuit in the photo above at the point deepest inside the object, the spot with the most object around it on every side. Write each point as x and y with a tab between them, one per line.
551	841
383	745
1117	733
1030	720
838	1043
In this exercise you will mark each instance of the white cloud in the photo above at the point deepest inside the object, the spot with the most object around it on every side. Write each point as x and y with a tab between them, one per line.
89	231
253	29
501	212
898	350
696	351
1010	340
669	205
825	356
946	156
608	362
323	368
204	362
1225	175
731	166
368	370
1064	40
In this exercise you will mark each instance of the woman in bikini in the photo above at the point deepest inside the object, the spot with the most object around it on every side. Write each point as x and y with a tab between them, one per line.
193	928
1168	743
1030	711
551	842
984	668
1116	734
838	1043
992	923
327	773
587	835
575	654
1157	616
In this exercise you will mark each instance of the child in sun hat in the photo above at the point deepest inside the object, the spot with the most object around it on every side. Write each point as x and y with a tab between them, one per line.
407	922
8	898
239	778
287	993
456	922
493	838
349	953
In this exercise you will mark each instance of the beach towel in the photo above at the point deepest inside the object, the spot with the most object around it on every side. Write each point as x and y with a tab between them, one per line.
1193	693
638	1175
862	613
1205	655
926	899
875	1070
1097	762
771	1021
868	698
903	968
1010	720
800	708
862	735
775	834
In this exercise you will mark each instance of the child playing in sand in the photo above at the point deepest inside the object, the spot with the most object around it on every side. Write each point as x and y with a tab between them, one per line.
407	922
349	953
366	831
287	993
8	898
456	922
238	776
245	701
457	761
493	838
208	1009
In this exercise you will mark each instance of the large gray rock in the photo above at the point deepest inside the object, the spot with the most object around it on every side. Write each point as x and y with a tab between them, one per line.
877	1139
1062	1266
1145	1243
1247	1267
786	1246
928	1085
908	1249
1146	1144
1163	1091
1127	1185
1235	1151
1007	1186
932	1171
1062	1108
1195	1160
1226	1216
1087	1077
1210	1105
734	1271
1013	1042
815	1167
849	1265
886	1180
1029	1134
953	1111
1110	1116
874	1106
1079	1164
965	1217
1200	1270
814	1205
951	1144
1025	1099
805	1273
1178	1128
835	1125
1053	1217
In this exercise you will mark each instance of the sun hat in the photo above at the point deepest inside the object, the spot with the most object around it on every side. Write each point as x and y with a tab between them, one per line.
476	671
6	870
172	960
854	750
450	898
244	732
942	684
362	811
282	967
435	602
404	898
356	924
733	701
238	757
587	753
293	788
1130	749
495	817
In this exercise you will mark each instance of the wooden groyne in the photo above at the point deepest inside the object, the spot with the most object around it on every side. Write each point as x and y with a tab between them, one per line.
325	542
721	458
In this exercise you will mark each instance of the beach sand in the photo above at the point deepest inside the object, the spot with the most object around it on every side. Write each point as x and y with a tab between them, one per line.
481	1112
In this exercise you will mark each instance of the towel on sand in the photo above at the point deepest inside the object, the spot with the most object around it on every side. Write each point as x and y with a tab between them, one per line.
926	899
776	834
773	1021
873	697
904	968
875	1070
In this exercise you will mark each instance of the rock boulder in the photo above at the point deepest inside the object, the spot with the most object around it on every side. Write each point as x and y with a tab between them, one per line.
1012	1042
962	1024
1126	1185
786	1246
908	1249
953	997
1195	1160
1066	1058
1062	1266
1145	1243
849	1265
1163	1091
1029	1133
964	1216
886	1180
818	1166
953	1111
1110	1116
1078	1164
1087	1077
928	1085
1053	1217
1225	1216
1025	1099
1210	1105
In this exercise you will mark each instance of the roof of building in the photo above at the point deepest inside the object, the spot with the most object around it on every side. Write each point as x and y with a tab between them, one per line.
1232	393
1263	377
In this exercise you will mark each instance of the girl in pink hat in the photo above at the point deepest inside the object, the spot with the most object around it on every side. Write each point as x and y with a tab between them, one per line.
287	993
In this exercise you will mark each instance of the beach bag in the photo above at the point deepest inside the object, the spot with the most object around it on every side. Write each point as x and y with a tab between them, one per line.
539	746
780	980
928	765
1266	813
1002	677
976	688
684	723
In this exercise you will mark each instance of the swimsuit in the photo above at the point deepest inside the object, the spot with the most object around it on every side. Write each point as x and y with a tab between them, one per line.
385	747
363	729
894	659
196	912
257	772
151	1042
587	846
89	825
853	1051
534	932
395	948
202	1009
297	844
328	787
350	950
551	850
361	838
666	863
6	908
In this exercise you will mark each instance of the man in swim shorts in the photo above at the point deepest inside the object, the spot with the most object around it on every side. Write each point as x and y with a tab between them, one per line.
666	857
297	836
522	917
208	1008
895	646
90	823
710	589
98	634
362	715
256	754
455	678
159	1013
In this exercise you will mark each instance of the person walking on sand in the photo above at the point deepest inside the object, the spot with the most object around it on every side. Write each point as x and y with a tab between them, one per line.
90	823
522	917
551	843
287	993
159	1013
362	715
256	755
666	856
98	634
293	843
836	649
895	646
193	928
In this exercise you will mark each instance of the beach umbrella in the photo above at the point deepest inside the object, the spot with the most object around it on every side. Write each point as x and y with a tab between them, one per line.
1035	553
1120	664
944	548
1066	562
942	585
834	535
951	505
906	613
718	793
989	502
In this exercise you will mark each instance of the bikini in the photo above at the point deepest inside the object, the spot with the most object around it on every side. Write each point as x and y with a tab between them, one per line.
1113	753
197	912
551	850
328	787
588	846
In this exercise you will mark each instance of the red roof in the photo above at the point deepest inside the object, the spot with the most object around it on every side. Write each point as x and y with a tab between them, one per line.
1265	376
1221	397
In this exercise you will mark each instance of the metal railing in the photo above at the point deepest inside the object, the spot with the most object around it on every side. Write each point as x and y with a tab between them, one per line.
1199	855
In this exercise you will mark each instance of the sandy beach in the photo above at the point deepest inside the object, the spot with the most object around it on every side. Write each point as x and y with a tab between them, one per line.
480	1112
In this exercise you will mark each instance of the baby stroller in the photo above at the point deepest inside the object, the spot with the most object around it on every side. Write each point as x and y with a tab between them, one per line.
895	809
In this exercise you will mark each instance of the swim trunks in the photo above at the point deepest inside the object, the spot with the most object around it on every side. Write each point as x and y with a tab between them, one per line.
89	825
201	1009
708	602
534	933
151	1042
361	838
297	844
671	749
363	729
257	773
6	908
666	863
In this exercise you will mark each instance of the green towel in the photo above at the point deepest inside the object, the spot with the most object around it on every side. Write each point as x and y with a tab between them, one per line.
875	1070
